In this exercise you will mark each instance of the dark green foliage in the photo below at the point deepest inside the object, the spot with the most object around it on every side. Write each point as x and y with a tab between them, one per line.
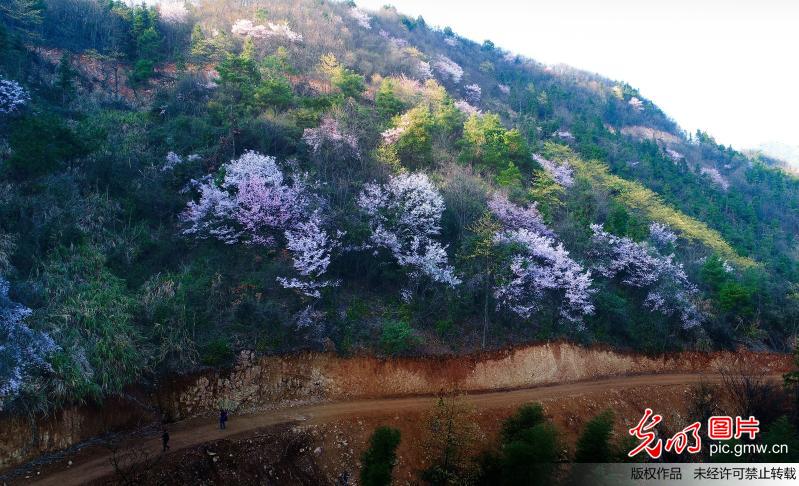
91	312
594	444
781	432
216	353
378	460
526	417
41	143
528	452
736	299
713	272
66	77
22	16
350	83
397	337
388	104
274	92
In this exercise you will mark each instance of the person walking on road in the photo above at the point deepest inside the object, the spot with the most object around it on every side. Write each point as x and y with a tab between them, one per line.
222	418
165	439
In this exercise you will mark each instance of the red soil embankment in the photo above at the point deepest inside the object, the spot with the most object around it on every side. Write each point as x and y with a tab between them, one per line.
275	380
282	381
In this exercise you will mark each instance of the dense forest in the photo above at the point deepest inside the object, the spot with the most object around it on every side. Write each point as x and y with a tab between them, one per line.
179	183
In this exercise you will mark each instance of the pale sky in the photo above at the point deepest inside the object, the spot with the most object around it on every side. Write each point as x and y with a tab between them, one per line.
729	67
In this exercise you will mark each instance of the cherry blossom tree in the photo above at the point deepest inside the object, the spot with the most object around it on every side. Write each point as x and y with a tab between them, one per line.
466	108
255	205
641	265
503	88
247	28
423	69
661	236
404	217
674	155
561	172
173	12
448	68
329	134
173	160
12	96
636	104
362	18
539	266
515	217
23	351
564	134
473	93
312	249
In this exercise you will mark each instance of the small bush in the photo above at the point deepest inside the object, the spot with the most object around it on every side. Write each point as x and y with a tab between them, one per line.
379	459
216	352
397	337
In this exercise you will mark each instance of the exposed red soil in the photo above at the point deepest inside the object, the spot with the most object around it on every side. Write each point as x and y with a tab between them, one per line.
339	430
278	382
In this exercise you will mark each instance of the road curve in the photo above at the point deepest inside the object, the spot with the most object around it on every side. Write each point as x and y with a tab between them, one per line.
196	431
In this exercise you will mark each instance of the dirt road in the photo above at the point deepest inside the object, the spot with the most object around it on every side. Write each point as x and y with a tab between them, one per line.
197	431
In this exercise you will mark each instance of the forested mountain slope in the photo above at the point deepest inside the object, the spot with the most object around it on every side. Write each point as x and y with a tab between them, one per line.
180	183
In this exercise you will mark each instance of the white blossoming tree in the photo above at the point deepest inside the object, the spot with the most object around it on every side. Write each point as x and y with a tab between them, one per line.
514	217
448	68
23	351
561	172
328	135
12	96
641	265
246	28
539	267
362	18
404	217
473	93
255	205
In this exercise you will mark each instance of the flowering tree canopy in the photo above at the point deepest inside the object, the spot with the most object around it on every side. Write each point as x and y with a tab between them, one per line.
636	104
641	265
255	205
404	216
329	134
562	172
173	12
423	69
362	18
466	108
12	96
448	68
246	28
23	351
515	217
473	92
541	266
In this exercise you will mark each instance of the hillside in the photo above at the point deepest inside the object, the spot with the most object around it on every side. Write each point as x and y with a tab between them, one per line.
779	155
179	184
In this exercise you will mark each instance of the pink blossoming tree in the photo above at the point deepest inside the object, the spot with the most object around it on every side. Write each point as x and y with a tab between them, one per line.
255	205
